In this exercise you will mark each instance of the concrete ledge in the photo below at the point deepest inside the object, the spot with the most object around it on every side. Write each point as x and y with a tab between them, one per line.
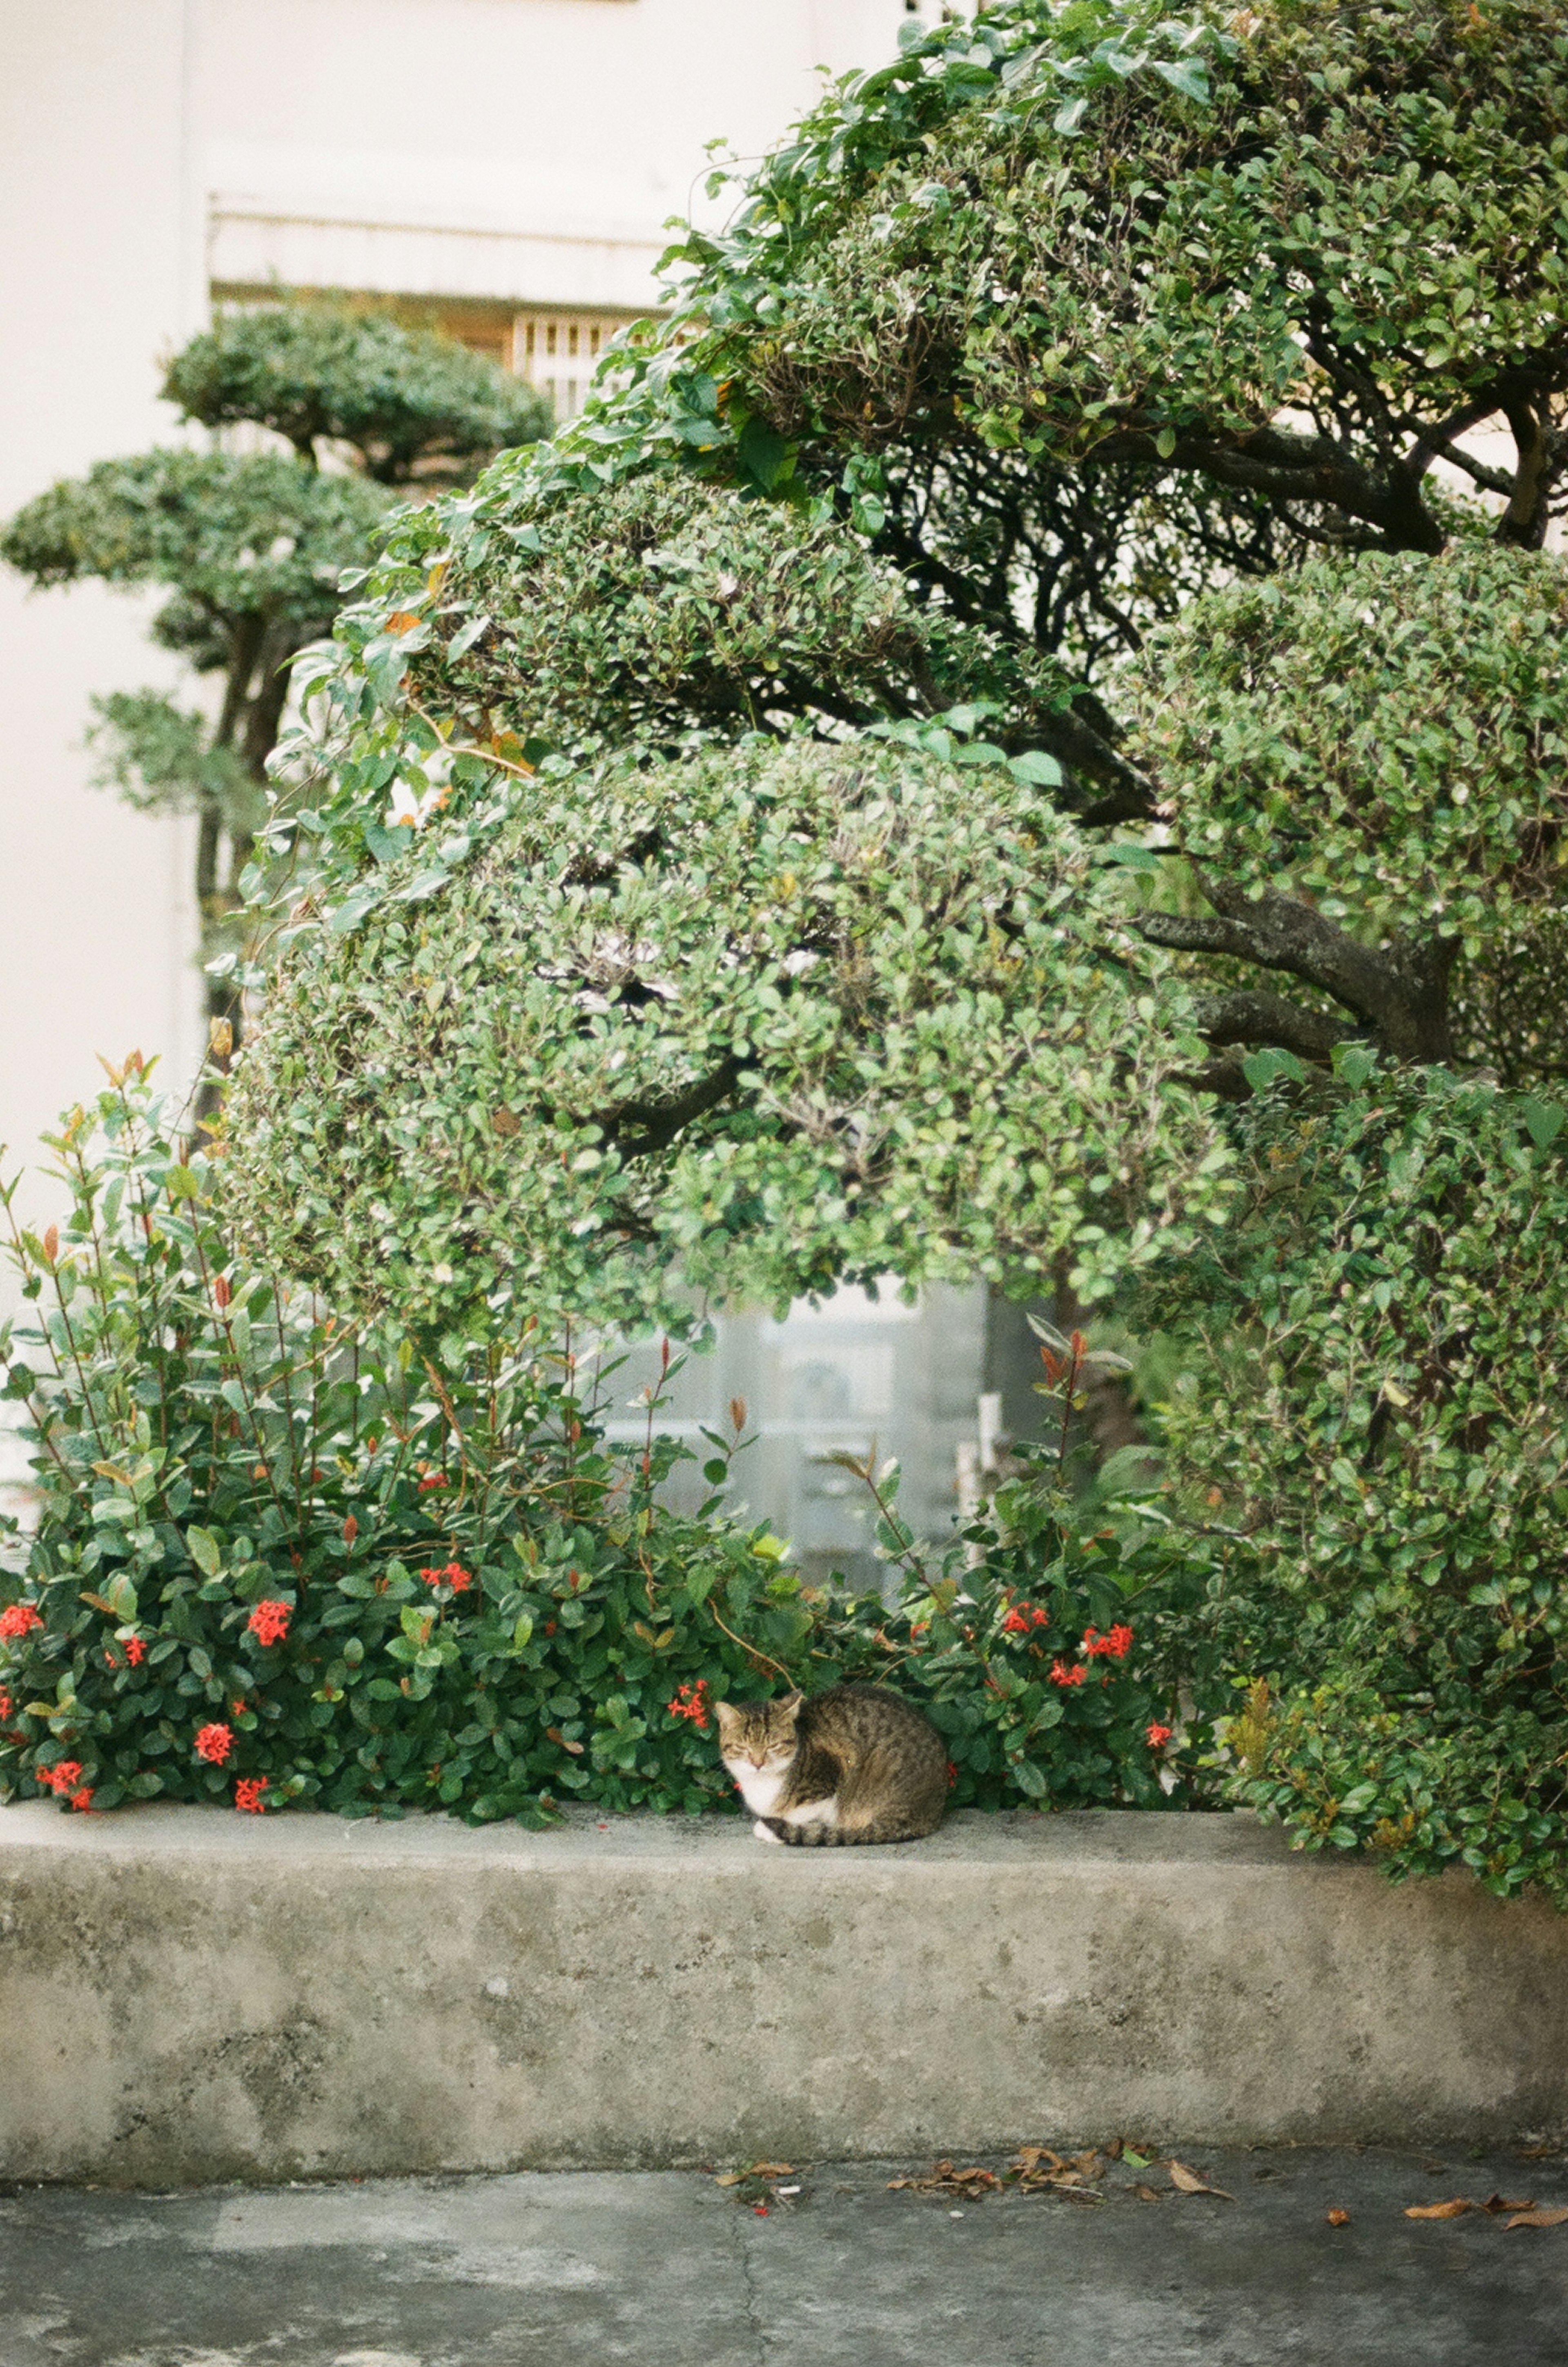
187	1995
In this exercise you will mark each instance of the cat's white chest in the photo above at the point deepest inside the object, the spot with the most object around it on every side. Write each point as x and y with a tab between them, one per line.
761	1787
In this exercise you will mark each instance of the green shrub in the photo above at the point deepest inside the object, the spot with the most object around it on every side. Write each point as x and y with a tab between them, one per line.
748	1024
1374	1436
277	1561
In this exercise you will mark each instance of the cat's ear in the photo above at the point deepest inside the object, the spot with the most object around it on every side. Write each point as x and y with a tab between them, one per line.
726	1713
789	1704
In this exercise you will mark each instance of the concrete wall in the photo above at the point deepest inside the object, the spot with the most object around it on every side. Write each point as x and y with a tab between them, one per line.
188	1995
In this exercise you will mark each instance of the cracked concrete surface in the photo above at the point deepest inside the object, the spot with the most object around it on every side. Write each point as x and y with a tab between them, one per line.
667	2270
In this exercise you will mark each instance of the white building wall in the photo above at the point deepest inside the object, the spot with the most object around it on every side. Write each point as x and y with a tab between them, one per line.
98	277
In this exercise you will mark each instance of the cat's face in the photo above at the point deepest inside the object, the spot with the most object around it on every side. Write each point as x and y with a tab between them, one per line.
757	1733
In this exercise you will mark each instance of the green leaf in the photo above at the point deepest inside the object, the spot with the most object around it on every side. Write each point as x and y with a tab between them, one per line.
205	1550
1037	768
764	456
1261	1068
1543	1119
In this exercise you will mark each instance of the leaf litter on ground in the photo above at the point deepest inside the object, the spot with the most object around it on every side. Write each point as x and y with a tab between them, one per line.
1519	2210
1040	2170
757	2183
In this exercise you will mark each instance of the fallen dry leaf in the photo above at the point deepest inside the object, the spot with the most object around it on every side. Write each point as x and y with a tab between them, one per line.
1187	2182
1038	2169
1337	2218
944	2179
1147	2193
1496	2204
1551	2217
1453	2210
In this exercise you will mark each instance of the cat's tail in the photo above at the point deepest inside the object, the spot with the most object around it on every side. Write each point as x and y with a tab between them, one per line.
880	1829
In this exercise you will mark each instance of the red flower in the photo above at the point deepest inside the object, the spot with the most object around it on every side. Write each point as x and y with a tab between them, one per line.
1040	1615
6	1705
1158	1734
1062	1675
83	1799
62	1776
452	1574
691	1701
432	1479
135	1651
110	1661
1016	1622
248	1793
1112	1645
18	1619
269	1621
214	1743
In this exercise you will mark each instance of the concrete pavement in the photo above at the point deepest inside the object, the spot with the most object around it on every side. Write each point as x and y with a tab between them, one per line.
671	2269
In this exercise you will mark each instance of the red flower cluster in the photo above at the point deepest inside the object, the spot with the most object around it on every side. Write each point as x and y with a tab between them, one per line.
83	1799
1158	1734
691	1701
6	1705
62	1777
1021	1618
269	1621
450	1574
16	1619
248	1792
433	1479
214	1743
135	1651
1115	1645
1062	1675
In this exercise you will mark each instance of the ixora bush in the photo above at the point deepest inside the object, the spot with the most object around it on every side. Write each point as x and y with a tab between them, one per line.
277	1561
1375	1441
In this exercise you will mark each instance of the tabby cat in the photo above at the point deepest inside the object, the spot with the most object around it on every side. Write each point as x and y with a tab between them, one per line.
850	1764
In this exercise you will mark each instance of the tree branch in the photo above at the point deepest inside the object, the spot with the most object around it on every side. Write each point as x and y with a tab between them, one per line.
1249	1017
1401	991
657	1124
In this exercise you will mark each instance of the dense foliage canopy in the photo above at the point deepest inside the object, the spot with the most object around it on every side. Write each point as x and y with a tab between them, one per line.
1374	1434
758	1021
410	403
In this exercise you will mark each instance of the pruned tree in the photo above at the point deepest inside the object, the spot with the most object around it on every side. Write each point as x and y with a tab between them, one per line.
253	547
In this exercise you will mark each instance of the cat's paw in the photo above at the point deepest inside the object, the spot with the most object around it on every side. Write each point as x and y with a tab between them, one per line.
761	1832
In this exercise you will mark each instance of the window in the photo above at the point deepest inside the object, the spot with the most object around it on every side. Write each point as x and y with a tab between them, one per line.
559	352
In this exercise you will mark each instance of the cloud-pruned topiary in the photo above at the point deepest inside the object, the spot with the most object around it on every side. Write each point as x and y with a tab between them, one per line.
1302	267
666	609
765	1019
411	402
1367	769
